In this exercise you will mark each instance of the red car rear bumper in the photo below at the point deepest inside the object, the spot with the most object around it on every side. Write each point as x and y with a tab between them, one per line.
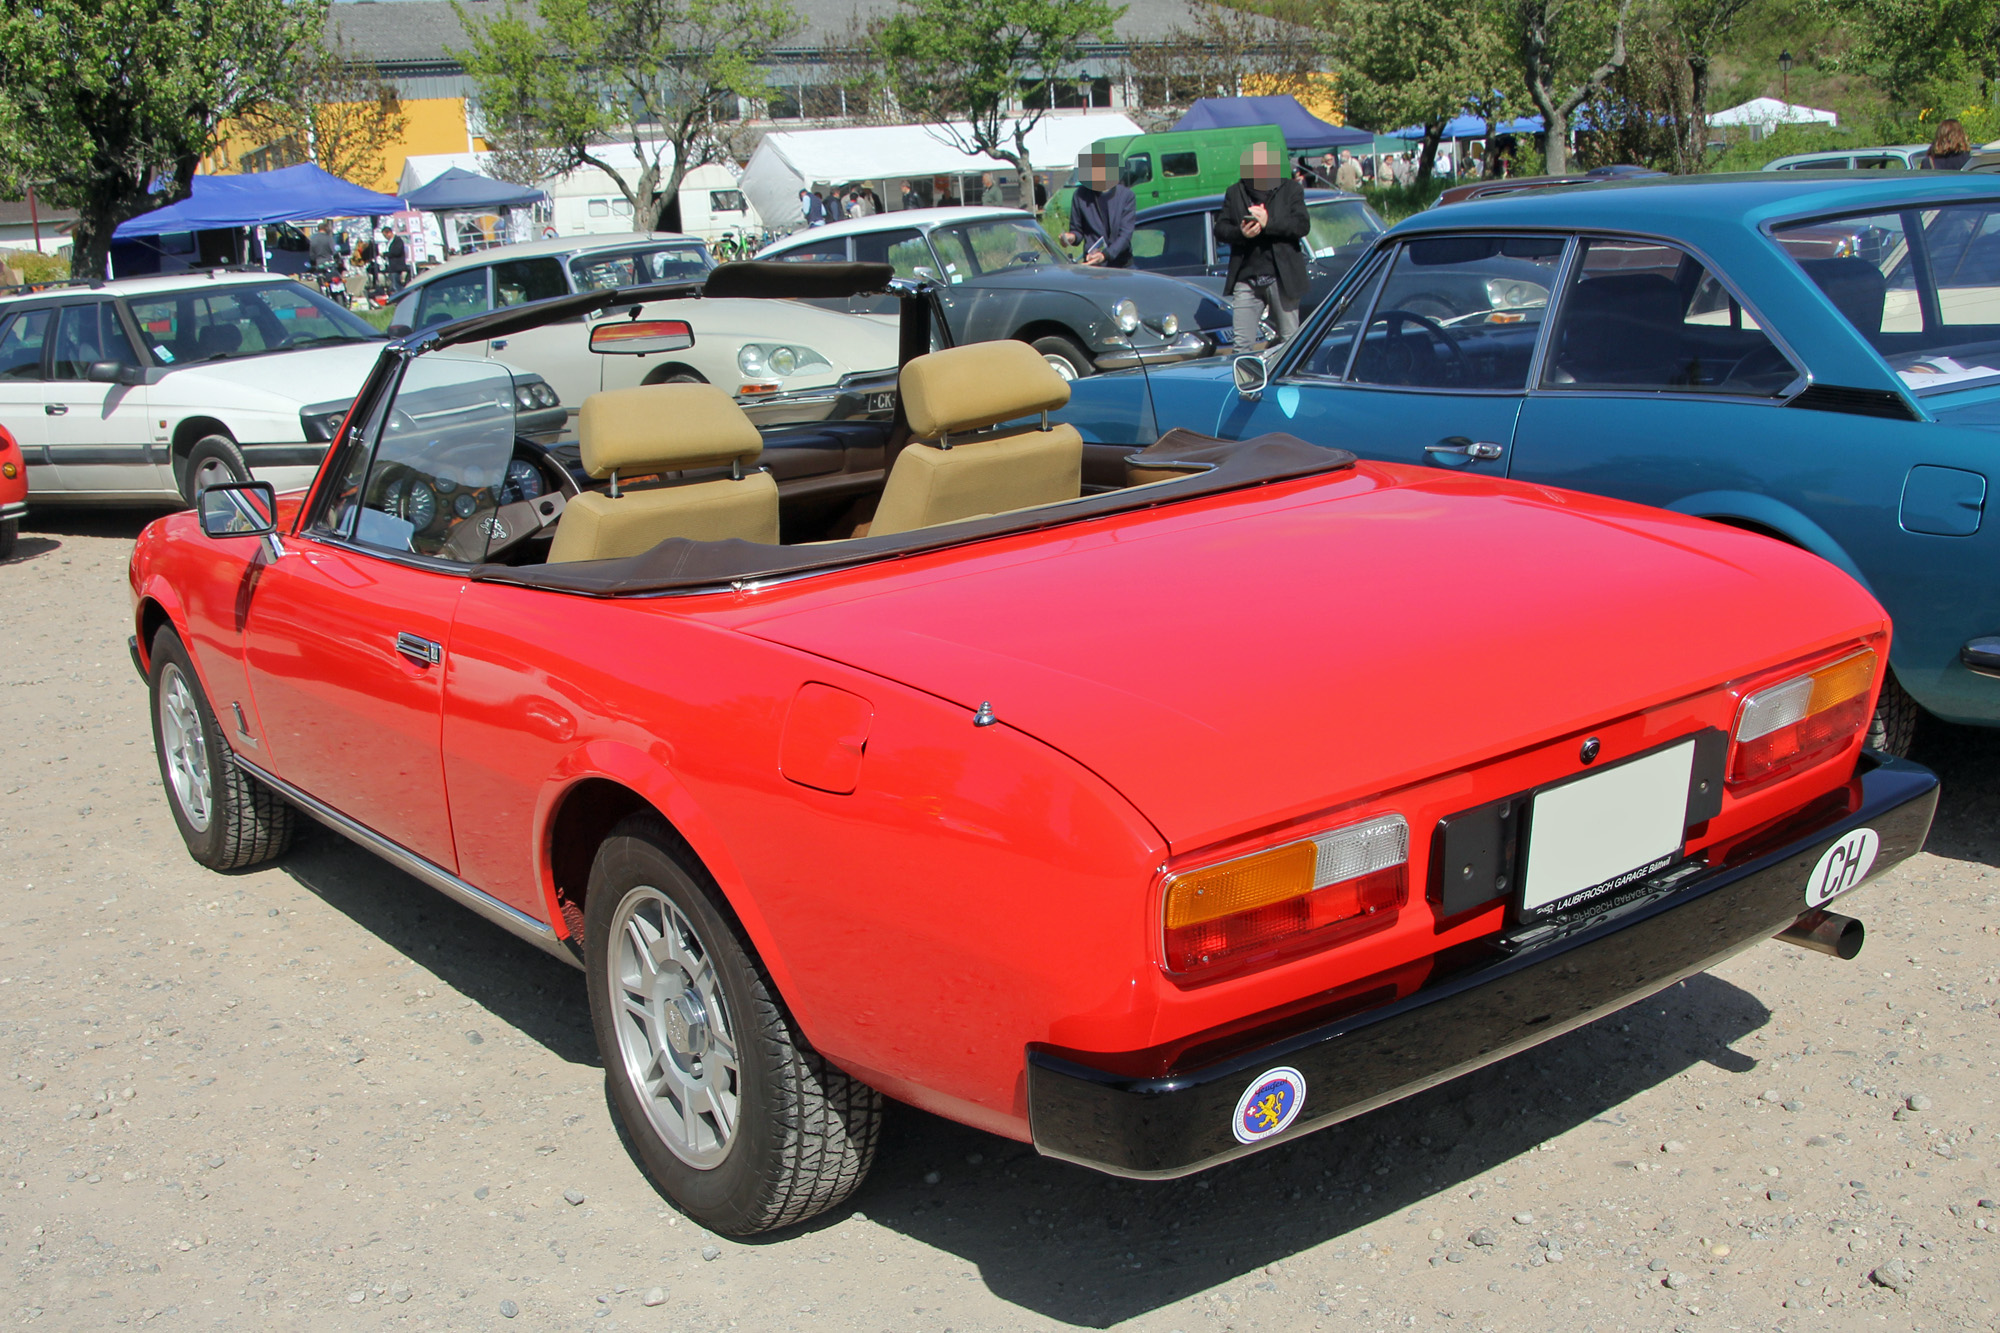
1170	1124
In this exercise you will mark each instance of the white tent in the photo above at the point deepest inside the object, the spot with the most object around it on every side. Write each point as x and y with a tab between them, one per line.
788	161
1764	112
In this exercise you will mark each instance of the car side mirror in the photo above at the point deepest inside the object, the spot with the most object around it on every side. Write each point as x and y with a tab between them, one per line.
924	273
114	372
398	330
1251	376
238	509
640	337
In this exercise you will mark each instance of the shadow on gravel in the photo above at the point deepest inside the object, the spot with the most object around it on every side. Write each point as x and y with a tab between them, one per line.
27	548
522	986
66	522
1073	1245
1967	761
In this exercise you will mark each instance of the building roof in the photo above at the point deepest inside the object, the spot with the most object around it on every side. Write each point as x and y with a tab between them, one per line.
417	32
14	212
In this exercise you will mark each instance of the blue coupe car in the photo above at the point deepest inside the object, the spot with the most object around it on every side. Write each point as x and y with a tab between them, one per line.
1816	358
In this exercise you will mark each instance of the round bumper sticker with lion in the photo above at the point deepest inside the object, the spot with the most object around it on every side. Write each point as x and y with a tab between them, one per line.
1269	1105
1842	866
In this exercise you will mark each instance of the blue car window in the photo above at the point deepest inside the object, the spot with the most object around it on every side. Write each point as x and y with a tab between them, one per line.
1921	285
1329	356
1642	315
1459	312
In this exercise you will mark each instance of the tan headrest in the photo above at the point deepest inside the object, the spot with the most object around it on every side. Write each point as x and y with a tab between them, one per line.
978	385
663	428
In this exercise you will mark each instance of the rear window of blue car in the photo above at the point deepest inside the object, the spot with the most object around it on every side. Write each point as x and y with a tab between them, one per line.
1921	284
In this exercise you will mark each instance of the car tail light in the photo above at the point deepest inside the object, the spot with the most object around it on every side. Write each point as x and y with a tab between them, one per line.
1800	721
1271	903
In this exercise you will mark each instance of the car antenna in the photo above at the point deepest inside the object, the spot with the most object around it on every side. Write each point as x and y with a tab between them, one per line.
1150	422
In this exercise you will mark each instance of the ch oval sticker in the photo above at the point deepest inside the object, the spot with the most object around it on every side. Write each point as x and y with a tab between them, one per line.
1842	866
1269	1105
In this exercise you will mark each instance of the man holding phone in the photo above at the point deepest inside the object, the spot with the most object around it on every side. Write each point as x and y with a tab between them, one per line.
1262	221
1102	212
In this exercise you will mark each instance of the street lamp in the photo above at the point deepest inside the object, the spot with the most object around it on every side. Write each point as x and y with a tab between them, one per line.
1785	75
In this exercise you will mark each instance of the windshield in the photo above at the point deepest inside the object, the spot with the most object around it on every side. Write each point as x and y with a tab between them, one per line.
1340	224
214	323
684	262
999	243
1922	285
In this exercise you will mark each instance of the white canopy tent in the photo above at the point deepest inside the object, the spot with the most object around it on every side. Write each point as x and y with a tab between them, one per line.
1765	112
788	161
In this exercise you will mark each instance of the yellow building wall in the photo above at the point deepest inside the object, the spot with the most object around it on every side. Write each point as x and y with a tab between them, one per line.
430	125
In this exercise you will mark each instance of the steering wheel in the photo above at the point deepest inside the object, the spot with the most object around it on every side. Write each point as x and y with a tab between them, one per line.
1451	364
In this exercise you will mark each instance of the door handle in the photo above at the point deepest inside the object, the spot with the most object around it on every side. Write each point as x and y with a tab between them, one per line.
418	649
1464	448
55	409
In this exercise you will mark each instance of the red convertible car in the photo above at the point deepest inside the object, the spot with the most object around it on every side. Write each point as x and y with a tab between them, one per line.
1151	824
13	492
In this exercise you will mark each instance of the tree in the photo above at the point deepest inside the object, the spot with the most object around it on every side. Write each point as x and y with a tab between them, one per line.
1566	50
1224	52
1923	52
1695	31
1413	62
982	72
660	74
342	114
99	99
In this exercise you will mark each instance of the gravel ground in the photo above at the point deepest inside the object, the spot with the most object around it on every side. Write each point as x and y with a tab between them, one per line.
318	1095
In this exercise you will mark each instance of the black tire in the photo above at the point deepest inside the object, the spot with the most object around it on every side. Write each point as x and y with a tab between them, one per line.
212	458
1893	729
677	377
10	534
1056	348
237	821
804	1133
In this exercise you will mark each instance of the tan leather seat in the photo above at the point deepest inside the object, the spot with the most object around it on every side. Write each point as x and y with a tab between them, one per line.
953	397
665	428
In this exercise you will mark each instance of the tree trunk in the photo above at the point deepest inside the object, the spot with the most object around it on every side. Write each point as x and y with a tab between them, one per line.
1489	156
1555	139
1427	159
1024	179
1694	138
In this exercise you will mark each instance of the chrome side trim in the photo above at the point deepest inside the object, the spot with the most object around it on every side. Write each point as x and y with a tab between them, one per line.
451	886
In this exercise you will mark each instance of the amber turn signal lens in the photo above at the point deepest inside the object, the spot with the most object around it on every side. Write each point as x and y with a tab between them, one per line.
9	470
1240	885
1798	722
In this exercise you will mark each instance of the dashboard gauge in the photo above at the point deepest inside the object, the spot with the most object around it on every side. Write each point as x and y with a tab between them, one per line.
464	505
443	485
412	501
524	482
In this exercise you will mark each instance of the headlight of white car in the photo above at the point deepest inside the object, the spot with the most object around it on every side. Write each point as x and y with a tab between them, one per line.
530	395
781	359
1127	314
1515	293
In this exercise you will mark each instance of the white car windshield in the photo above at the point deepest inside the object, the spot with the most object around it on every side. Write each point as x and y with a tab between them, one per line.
1921	284
996	244
1340	224
215	323
638	268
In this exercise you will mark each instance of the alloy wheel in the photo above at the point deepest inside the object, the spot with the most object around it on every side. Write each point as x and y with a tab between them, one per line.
676	1037
186	748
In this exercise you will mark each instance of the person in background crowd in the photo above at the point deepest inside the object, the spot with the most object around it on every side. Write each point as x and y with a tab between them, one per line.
1328	172
320	249
941	191
1950	148
1262	220
1102	212
911	199
990	193
812	208
1302	176
1348	177
342	246
1041	190
395	258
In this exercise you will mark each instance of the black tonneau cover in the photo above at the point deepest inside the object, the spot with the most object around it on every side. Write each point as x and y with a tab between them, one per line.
680	565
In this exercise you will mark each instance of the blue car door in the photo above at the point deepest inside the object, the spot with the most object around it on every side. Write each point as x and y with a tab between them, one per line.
1660	386
1425	359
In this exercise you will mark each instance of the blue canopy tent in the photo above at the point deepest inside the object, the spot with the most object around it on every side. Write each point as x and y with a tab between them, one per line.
1304	132
457	190
293	194
1474	127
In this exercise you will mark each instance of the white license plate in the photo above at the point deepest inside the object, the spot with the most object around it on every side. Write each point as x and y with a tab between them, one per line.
1621	824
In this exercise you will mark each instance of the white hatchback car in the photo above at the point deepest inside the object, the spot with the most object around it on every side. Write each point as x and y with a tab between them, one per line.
783	360
142	390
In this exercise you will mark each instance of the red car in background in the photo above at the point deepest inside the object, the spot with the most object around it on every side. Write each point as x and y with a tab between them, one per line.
1153	825
13	492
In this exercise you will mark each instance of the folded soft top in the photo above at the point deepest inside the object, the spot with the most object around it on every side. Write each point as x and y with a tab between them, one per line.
679	564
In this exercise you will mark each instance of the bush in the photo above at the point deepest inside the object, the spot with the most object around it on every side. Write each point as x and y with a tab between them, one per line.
34	266
1396	202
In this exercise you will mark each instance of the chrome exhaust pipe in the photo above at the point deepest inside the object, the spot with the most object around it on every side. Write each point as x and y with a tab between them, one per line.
1826	932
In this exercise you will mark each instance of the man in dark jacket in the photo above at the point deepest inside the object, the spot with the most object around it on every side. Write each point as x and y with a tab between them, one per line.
1262	221
1102	213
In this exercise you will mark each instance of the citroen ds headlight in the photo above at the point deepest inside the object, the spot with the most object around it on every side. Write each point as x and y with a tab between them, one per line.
321	421
757	360
1170	325
1514	293
1127	315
